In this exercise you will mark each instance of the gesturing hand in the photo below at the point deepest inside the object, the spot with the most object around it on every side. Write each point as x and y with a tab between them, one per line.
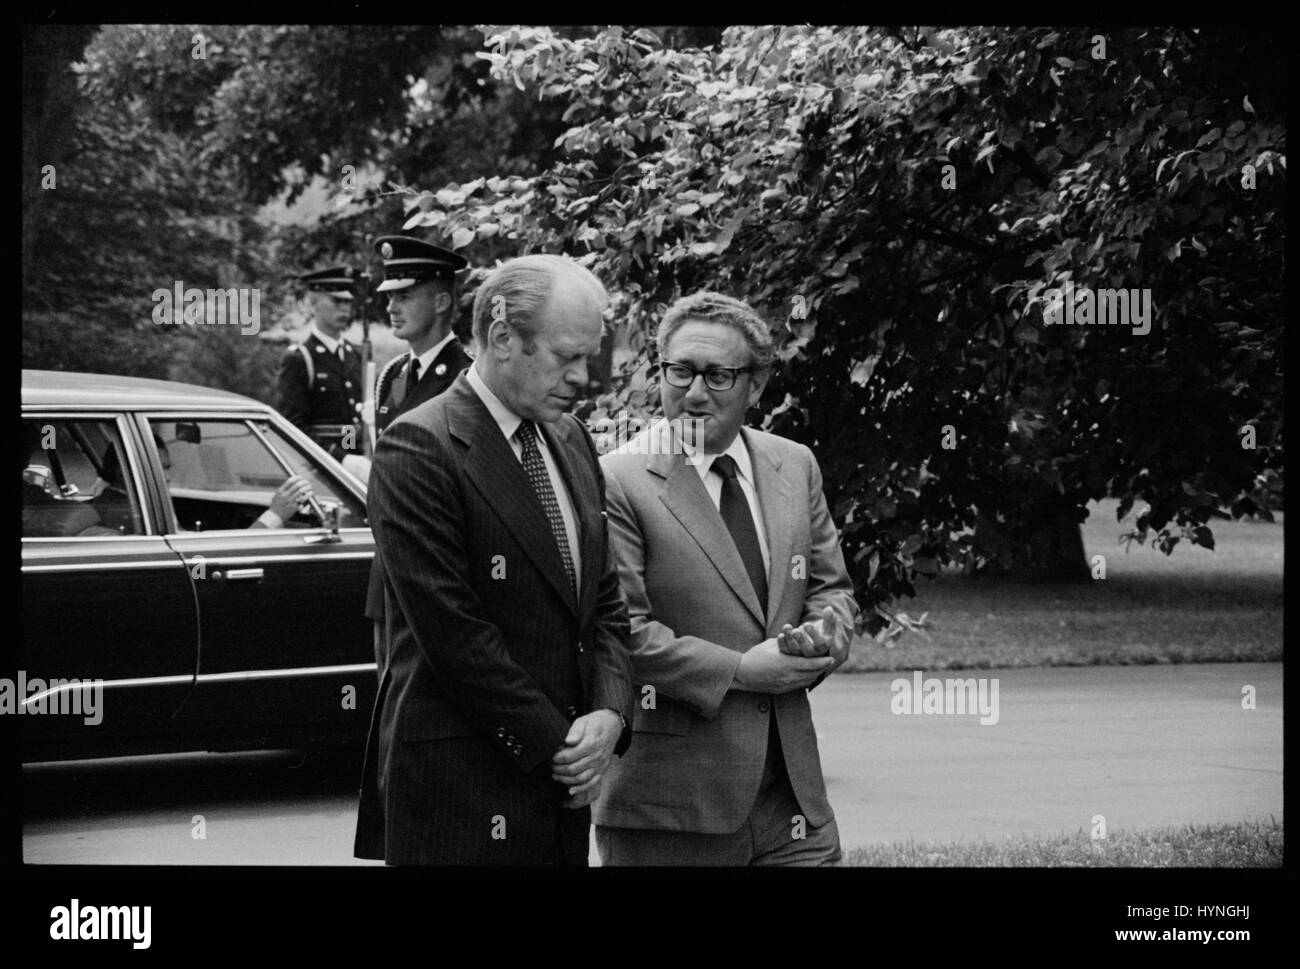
581	763
289	496
812	638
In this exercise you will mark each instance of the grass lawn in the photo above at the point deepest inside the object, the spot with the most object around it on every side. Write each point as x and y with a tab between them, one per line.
1244	845
1195	606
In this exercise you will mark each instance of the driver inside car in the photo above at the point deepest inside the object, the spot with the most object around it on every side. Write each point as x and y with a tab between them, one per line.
286	501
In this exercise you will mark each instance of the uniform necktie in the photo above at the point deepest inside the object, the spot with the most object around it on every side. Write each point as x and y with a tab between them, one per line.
740	522
412	376
526	435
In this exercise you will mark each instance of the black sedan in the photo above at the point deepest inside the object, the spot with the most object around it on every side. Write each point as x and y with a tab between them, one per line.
162	608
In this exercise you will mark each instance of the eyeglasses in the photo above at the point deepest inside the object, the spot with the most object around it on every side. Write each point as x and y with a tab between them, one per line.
715	378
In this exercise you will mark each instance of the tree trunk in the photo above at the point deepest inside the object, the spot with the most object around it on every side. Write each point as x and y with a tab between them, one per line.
49	105
1047	546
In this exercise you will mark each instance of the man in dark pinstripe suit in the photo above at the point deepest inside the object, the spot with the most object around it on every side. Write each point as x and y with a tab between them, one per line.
506	691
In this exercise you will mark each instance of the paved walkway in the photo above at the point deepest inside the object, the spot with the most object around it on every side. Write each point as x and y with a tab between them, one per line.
1144	746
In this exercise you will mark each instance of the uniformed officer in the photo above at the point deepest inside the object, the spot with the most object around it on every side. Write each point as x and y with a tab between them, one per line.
420	281
319	385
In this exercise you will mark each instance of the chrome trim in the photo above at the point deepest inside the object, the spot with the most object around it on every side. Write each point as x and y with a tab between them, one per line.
126	407
242	675
227	532
106	566
95	538
286	673
176	680
189	560
263	559
78	685
138	470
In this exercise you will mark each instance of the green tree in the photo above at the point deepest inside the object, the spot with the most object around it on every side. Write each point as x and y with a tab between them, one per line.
900	203
172	139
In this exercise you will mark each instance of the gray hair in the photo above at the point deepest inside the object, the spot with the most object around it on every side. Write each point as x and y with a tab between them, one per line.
710	307
517	290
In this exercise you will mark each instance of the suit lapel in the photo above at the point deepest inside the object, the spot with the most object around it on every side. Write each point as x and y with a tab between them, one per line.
495	471
686	498
776	499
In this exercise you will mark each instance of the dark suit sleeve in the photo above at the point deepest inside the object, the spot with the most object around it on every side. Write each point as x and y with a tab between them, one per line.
291	391
417	511
613	680
828	579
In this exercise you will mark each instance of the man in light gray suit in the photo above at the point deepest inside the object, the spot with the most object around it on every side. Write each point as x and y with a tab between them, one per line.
739	603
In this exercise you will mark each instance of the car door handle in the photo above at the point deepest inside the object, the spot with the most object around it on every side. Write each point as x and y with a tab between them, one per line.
235	575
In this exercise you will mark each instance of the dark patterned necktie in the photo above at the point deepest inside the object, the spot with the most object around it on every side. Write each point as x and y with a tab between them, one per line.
526	435
740	522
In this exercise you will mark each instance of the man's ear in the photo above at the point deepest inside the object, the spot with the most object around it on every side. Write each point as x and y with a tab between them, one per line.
443	302
757	383
498	339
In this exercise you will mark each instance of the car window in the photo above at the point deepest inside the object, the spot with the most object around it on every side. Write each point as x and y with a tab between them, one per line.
76	480
222	474
352	513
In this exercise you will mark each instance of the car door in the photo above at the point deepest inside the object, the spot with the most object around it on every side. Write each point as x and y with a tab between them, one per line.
104	597
285	648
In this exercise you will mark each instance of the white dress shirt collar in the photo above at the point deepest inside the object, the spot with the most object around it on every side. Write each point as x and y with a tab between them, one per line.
738	452
428	356
331	344
506	419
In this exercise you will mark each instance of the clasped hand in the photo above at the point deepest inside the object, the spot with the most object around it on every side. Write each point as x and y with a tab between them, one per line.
585	757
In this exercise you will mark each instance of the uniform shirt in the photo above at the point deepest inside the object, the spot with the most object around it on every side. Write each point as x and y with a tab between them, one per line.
428	356
331	344
509	422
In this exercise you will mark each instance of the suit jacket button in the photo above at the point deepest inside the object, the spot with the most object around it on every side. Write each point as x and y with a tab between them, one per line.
571	711
501	732
762	707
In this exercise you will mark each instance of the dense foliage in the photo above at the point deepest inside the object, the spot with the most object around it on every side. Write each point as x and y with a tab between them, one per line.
899	203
